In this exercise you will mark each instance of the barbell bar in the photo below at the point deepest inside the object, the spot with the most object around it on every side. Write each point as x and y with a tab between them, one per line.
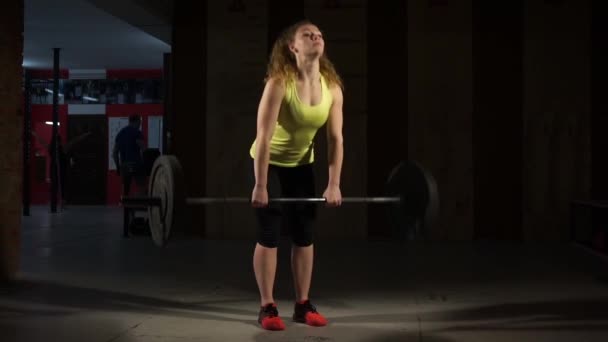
411	199
211	200
144	202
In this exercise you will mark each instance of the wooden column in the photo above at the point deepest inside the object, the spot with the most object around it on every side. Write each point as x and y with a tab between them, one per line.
556	113
599	105
497	119
440	107
11	133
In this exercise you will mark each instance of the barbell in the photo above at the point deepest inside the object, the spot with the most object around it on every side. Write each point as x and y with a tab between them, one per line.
410	194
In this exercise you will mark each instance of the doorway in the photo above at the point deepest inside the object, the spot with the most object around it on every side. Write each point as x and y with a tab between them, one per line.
86	147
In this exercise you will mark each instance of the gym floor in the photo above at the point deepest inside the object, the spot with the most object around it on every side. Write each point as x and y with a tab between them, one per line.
81	280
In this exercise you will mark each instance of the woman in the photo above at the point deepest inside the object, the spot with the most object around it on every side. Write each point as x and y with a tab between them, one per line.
302	93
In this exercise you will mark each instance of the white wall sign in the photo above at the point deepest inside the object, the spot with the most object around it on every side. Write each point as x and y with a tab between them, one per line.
84	109
155	132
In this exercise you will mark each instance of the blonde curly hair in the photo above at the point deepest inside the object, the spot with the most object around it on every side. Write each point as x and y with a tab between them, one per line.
282	64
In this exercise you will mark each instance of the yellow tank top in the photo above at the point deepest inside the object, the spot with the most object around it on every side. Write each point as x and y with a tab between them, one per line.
297	124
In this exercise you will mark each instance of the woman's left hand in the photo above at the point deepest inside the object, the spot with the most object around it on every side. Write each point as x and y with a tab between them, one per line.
333	196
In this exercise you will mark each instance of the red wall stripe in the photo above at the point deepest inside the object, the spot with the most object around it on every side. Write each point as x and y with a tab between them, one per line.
43	74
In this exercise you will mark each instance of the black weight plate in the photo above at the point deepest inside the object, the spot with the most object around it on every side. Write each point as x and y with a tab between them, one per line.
419	204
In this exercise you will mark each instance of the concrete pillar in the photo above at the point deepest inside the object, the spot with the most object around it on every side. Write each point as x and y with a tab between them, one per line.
189	100
236	61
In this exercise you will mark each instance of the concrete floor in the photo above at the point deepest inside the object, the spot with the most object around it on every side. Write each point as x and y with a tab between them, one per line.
81	280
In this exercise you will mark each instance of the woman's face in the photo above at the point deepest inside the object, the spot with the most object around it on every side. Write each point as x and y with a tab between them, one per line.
308	41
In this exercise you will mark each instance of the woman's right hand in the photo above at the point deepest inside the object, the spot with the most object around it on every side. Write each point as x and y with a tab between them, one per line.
259	197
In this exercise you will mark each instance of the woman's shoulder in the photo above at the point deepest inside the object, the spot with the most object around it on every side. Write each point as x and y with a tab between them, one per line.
277	86
330	83
334	88
277	82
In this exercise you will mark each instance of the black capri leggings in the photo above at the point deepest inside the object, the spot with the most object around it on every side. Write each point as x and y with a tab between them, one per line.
295	181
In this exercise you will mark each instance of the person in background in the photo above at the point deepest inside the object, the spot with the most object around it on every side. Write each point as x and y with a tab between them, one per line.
127	155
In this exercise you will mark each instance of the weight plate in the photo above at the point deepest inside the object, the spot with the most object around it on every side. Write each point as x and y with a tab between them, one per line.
166	180
419	204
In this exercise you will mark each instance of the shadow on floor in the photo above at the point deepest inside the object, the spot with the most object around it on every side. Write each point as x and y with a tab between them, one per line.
571	315
65	300
345	333
583	314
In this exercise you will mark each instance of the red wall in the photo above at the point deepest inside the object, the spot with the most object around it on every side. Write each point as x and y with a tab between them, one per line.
48	74
41	190
41	113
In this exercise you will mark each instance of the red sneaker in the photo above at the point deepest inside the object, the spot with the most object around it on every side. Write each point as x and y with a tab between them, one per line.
269	318
305	312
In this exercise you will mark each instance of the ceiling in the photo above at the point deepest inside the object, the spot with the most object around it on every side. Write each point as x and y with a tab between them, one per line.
97	34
